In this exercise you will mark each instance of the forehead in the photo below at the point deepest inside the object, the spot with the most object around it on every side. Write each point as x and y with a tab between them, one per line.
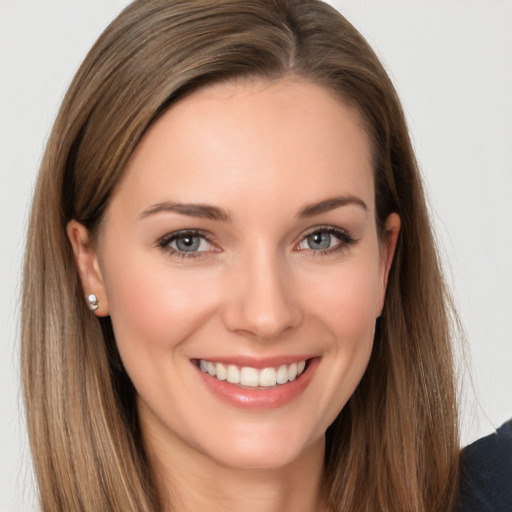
264	141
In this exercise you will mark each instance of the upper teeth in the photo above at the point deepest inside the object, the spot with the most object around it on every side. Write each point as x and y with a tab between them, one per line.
253	377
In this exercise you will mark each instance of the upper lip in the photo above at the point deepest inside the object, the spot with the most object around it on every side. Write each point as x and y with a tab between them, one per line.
257	362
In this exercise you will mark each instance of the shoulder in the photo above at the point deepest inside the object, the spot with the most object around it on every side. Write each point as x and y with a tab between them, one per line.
486	473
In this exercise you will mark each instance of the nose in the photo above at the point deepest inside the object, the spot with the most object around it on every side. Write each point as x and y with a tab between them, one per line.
262	300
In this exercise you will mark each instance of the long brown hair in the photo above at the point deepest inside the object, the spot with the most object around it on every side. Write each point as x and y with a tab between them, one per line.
394	446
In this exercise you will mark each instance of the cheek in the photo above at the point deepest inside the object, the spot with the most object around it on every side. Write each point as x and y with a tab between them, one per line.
348	301
347	308
153	309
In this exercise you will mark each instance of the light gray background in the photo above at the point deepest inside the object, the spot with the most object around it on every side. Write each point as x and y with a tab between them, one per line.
451	63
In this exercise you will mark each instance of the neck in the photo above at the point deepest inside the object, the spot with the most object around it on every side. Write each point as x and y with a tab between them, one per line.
188	482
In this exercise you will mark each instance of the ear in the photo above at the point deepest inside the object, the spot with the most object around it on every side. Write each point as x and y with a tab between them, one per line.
387	252
87	263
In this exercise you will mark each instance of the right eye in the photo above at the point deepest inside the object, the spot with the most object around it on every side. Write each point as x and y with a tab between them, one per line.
186	244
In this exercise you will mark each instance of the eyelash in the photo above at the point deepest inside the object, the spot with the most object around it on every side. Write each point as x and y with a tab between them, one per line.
345	238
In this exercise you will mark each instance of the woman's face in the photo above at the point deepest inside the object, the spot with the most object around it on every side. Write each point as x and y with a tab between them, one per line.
241	245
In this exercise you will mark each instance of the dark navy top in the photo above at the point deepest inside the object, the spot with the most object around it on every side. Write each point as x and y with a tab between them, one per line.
486	473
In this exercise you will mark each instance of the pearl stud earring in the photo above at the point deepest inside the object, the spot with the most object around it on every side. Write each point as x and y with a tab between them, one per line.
93	302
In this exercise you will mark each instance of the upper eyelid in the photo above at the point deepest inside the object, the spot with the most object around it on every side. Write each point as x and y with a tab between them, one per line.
329	228
322	227
169	237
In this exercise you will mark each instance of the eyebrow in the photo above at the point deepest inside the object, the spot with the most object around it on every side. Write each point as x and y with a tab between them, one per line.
203	211
332	203
206	211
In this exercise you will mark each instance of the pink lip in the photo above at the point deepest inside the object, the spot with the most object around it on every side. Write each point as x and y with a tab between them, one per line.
258	398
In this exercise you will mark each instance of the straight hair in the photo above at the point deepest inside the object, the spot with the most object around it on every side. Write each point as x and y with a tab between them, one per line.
394	446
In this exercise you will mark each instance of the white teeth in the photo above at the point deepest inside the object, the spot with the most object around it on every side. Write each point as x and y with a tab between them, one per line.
221	371
282	374
249	377
233	375
268	377
253	377
292	371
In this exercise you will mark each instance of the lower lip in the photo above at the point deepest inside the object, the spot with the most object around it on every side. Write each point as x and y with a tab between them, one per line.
260	398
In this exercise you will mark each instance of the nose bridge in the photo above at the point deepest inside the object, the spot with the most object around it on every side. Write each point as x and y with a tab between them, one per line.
263	304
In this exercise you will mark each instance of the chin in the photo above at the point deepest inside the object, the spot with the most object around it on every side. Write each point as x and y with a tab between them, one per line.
264	450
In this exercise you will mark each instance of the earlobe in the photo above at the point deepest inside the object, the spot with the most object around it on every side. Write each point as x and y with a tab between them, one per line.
88	267
388	248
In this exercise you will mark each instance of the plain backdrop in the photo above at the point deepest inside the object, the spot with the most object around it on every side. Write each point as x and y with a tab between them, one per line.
451	62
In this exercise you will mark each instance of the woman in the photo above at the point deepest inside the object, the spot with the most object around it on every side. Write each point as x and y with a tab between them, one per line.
232	297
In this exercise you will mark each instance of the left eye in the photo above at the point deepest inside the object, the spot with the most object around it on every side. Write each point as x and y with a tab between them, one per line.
324	240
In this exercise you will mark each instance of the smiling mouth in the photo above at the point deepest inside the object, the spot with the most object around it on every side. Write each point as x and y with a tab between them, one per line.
253	377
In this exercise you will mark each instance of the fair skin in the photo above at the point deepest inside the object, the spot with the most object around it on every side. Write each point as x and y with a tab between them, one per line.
282	266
